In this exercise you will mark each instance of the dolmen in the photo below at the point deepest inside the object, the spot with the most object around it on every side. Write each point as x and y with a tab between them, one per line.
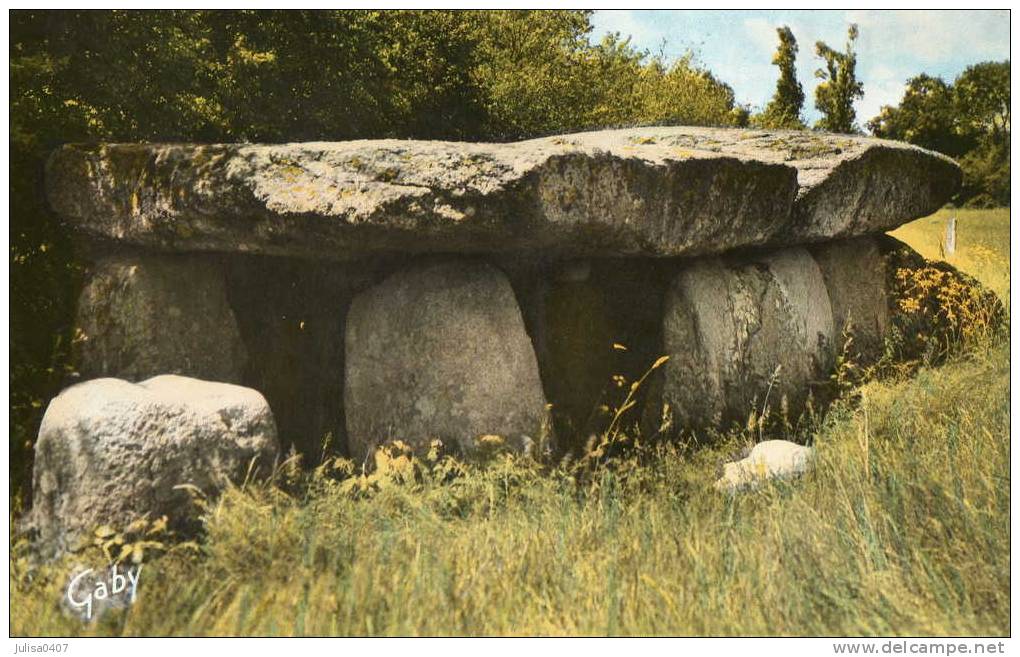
388	290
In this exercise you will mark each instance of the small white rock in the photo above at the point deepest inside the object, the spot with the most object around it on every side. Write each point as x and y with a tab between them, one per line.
768	460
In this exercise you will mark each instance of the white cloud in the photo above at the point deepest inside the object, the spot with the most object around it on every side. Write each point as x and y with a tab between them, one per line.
882	86
933	37
644	34
893	45
762	33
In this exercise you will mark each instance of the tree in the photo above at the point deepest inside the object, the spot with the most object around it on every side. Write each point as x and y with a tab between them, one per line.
926	116
783	111
839	86
968	119
982	95
685	94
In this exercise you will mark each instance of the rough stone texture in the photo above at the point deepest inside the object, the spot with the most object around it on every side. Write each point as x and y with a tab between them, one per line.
661	191
110	451
144	315
856	279
771	459
728	326
440	351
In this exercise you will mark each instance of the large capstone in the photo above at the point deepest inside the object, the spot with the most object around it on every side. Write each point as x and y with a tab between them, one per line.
148	314
656	191
742	335
439	351
110	452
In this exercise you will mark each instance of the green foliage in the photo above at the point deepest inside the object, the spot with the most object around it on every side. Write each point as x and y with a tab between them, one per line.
982	98
968	120
684	94
839	86
986	179
982	244
176	75
945	304
783	111
982	95
927	116
531	89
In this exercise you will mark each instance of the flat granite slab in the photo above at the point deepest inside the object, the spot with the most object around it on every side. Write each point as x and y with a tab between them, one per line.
654	191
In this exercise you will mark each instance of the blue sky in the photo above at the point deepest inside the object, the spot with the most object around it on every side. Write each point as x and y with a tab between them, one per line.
737	46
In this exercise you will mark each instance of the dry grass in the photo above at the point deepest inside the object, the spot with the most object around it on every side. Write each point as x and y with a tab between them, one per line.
902	528
982	244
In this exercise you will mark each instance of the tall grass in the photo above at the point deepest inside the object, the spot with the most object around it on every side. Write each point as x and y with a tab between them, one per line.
901	528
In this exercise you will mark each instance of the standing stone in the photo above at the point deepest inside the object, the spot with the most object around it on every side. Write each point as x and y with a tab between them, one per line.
148	314
855	277
110	452
440	351
733	330
951	236
291	316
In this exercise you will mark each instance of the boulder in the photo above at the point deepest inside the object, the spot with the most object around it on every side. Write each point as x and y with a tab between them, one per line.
147	314
110	452
855	277
439	351
744	333
771	459
656	191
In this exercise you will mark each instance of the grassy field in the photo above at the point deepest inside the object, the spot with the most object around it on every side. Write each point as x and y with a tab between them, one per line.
982	244
902	528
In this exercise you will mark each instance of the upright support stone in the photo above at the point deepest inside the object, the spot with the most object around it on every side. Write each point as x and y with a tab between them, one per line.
856	279
740	331
577	329
440	351
148	314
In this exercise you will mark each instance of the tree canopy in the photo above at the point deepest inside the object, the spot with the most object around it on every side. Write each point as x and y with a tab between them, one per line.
839	86
783	111
968	120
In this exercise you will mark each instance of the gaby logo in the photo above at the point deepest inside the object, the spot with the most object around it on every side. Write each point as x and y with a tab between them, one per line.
86	588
